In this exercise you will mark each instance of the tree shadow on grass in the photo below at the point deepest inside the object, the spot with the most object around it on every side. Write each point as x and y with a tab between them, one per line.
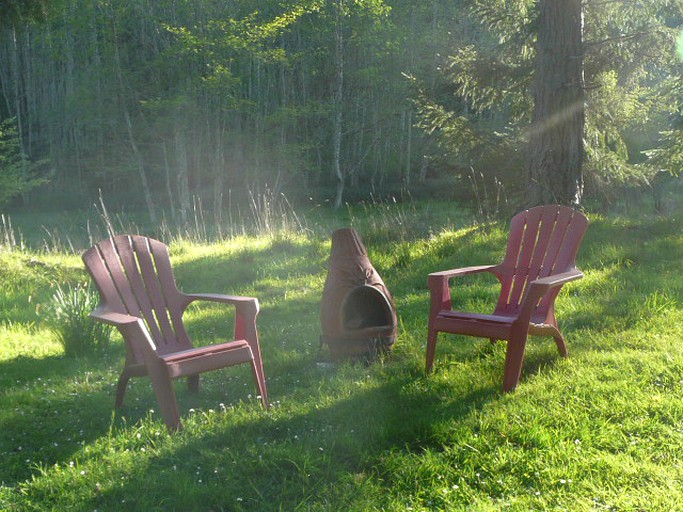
53	406
284	461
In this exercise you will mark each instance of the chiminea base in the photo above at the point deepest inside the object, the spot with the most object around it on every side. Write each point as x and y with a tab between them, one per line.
367	348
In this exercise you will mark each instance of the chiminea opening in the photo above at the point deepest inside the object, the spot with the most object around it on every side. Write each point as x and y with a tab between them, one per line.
365	306
357	312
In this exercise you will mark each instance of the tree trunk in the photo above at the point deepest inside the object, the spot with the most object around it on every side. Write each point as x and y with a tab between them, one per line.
146	189
338	91
556	152
182	176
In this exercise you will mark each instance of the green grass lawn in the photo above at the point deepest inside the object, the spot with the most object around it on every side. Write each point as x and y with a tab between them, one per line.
601	430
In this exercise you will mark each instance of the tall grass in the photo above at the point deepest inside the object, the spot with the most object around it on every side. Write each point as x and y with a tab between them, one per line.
598	431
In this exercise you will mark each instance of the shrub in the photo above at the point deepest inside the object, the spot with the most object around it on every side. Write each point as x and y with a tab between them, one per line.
68	317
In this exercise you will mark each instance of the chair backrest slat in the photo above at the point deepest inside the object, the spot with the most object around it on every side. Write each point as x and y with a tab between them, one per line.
544	253
134	275
543	241
136	282
166	291
158	303
104	281
110	256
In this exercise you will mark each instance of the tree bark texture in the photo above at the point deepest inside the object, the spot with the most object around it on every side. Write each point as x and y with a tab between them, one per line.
556	151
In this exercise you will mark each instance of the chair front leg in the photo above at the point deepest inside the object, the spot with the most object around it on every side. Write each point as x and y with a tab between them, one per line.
514	358
260	378
163	389
439	300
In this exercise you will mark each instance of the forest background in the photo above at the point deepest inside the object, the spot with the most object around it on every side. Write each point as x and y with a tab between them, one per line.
162	105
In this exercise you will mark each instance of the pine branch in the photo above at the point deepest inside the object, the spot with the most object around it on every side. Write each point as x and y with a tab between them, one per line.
620	38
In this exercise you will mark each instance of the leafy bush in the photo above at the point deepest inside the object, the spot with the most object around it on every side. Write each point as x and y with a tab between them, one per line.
68	317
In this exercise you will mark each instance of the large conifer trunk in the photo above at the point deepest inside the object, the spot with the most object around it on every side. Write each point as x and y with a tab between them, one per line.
554	172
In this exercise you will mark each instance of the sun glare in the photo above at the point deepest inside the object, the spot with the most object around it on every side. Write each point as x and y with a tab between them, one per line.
679	45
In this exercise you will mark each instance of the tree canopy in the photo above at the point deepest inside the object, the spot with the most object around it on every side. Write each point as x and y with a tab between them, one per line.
160	103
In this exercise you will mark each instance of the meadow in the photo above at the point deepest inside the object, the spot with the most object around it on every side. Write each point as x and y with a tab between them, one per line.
600	430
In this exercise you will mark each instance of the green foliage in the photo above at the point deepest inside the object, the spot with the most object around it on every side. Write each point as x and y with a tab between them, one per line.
67	314
669	156
17	174
13	12
629	59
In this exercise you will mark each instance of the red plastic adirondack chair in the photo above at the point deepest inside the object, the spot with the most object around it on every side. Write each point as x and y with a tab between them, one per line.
139	296
540	258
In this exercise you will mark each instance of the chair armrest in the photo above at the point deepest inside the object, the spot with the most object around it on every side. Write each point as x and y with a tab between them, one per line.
133	330
247	306
546	283
440	291
540	287
456	272
246	310
112	318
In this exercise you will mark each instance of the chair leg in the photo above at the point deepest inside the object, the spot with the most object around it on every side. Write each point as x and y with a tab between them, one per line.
163	389
193	383
121	387
514	357
561	345
431	349
260	378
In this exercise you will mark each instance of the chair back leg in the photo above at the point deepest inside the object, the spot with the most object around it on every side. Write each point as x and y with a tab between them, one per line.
122	386
561	345
193	383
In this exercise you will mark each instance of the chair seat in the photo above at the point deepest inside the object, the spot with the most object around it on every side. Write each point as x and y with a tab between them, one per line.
204	359
195	352
473	324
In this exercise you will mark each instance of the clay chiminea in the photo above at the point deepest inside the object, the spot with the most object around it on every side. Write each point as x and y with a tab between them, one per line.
357	312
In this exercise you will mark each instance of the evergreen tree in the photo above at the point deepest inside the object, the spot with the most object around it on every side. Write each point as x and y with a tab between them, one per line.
574	105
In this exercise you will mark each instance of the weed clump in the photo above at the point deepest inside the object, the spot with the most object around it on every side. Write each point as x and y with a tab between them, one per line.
67	315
